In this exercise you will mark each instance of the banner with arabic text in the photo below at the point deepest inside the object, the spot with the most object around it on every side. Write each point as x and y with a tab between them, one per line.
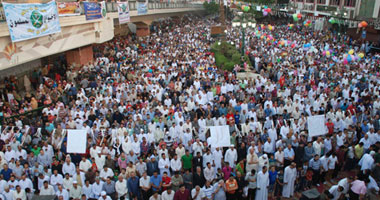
68	8
142	7
31	20
123	10
92	10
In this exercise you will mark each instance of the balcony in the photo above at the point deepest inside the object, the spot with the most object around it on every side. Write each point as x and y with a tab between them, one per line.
79	33
112	6
323	8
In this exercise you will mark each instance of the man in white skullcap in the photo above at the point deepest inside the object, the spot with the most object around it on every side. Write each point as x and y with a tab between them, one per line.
263	161
75	191
104	196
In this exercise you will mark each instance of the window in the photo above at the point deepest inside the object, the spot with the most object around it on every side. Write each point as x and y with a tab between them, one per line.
349	3
299	0
334	2
309	1
321	1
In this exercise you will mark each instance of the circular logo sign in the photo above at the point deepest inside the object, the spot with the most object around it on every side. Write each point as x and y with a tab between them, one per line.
37	19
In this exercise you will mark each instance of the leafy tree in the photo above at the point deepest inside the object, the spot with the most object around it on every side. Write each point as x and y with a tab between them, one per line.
211	8
227	56
263	2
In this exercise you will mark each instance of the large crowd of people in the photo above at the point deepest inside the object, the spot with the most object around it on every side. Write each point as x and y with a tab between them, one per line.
147	105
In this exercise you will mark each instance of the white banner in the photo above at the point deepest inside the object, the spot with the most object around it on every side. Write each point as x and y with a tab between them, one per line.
31	20
123	10
220	136
316	125
76	141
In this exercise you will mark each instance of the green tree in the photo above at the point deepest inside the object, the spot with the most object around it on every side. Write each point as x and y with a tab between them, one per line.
211	8
227	56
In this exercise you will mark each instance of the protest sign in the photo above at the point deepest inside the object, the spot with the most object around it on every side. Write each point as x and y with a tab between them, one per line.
76	141
316	125
220	136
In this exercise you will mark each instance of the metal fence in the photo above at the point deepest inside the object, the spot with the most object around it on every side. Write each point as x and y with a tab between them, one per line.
112	6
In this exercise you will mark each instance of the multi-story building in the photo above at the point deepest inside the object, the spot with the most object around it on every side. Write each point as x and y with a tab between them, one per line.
350	9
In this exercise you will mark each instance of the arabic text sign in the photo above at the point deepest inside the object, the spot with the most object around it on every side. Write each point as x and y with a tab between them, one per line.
220	136
76	141
31	20
316	125
68	8
123	10
142	8
92	10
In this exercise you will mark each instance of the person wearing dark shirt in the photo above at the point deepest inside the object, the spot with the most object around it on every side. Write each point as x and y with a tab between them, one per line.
241	184
182	194
6	172
76	158
197	161
133	186
242	151
299	154
56	165
152	166
198	178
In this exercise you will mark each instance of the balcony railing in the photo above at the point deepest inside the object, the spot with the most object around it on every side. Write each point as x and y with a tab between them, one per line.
112	6
323	8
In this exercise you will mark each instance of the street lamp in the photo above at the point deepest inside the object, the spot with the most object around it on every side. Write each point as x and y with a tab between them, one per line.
341	15
243	20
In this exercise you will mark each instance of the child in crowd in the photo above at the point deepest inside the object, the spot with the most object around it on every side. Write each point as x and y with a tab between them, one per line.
272	161
279	184
309	179
272	178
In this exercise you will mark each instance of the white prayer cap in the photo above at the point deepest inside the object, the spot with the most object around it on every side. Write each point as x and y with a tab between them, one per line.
75	182
103	193
372	153
151	157
232	145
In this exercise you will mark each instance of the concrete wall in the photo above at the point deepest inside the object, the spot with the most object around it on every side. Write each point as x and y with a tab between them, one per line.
20	70
74	34
81	55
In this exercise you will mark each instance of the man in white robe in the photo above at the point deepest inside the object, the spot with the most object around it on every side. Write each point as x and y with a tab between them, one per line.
231	156
263	161
290	175
97	187
126	145
164	164
367	161
252	160
262	184
208	158
175	164
217	154
56	179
